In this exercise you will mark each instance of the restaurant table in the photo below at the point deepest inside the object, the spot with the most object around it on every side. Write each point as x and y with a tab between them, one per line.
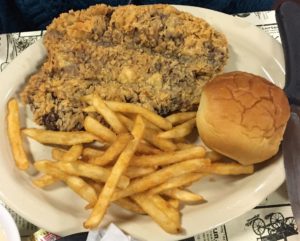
272	220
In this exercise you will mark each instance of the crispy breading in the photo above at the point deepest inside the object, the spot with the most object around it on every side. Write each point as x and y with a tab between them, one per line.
153	55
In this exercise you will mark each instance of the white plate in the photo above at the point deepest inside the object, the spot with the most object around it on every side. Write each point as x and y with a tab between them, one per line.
8	227
60	211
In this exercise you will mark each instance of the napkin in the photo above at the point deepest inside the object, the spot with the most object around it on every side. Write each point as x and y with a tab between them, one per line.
112	233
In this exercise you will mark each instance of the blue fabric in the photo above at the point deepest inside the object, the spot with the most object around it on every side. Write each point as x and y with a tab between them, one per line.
26	15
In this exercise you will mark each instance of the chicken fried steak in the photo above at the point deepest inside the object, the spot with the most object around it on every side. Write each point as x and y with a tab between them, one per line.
153	55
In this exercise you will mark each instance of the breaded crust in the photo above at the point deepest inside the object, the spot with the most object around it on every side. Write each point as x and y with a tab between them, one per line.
153	55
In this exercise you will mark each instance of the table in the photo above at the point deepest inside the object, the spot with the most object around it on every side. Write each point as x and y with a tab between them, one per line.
263	223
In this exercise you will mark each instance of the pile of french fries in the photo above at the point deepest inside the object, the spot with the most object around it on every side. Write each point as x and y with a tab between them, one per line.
144	164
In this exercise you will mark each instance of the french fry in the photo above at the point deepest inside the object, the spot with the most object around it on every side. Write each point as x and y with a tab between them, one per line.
48	167
168	157
14	135
161	143
214	156
169	210
94	172
73	153
147	149
77	184
184	146
128	204
157	214
138	129
113	151
59	137
184	195
118	169
108	115
150	135
96	185
89	152
83	189
128	123
89	109
150	125
147	114
66	156
44	181
175	182
125	203
148	160
174	203
231	168
95	127
134	172
57	154
87	99
160	176
181	130
178	140
179	118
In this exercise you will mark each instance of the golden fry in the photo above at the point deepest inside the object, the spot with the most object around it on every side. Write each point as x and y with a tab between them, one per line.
174	203
147	114
134	172
108	115
175	182
89	152
160	176
95	127
59	137
118	169
128	204
181	117
181	130
150	135
87	99
88	109
48	167
157	214
184	195
232	168
96	185
214	156
66	156
125	203
57	154
184	146
73	153
164	144
94	172
169	210
147	149
14	135
113	151
44	181
168	157
77	184
83	189
150	125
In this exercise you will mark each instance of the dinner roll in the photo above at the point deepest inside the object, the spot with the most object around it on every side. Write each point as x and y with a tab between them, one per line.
243	116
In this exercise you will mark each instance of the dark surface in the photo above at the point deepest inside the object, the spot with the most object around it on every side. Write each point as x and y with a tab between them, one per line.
83	236
28	15
75	237
288	19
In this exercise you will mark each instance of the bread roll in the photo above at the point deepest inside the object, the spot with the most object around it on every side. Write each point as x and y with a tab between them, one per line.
243	116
